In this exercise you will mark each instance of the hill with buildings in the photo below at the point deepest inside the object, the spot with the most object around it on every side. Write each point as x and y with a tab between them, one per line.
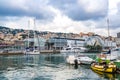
4	31
21	34
17	38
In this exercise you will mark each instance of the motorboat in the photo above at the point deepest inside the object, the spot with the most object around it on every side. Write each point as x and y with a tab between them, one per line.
109	68
110	57
81	59
29	51
74	49
116	49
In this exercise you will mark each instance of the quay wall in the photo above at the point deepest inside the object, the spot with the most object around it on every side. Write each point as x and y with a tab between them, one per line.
22	52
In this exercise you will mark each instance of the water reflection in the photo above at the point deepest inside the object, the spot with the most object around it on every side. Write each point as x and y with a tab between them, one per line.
46	67
111	76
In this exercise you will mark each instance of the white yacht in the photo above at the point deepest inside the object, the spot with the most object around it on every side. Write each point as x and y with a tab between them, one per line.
74	49
32	52
113	56
81	59
116	49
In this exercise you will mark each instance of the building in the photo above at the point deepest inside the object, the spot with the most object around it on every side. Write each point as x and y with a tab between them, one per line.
97	40
57	43
118	39
38	42
118	42
2	35
109	44
118	35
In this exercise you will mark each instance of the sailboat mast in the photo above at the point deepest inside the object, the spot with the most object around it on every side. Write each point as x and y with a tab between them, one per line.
108	31
34	34
28	32
108	28
37	38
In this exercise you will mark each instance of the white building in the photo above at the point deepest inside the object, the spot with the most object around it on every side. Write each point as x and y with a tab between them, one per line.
76	42
118	41
109	44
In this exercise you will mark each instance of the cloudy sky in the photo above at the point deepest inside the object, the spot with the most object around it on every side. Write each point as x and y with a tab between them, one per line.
62	15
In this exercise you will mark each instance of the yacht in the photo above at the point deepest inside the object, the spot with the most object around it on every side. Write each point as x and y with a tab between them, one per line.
116	49
73	49
104	56
81	59
31	51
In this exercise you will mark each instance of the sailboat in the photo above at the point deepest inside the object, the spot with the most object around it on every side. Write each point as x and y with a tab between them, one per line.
109	55
32	50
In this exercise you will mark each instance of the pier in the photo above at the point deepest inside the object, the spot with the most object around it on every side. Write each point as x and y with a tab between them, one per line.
22	52
50	51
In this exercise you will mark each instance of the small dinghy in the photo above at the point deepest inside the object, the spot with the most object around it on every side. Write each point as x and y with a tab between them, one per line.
103	67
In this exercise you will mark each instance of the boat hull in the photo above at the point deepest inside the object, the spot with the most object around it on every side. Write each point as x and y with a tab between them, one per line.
32	52
80	60
107	57
109	69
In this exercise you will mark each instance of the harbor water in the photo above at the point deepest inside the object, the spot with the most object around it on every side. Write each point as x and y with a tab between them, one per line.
47	67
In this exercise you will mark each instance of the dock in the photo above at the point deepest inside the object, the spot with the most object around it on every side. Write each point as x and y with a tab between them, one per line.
22	52
50	51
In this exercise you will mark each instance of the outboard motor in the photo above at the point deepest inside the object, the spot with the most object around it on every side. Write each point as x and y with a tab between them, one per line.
76	63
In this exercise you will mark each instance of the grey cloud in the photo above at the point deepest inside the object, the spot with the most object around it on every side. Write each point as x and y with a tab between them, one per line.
76	11
40	9
114	21
34	9
118	7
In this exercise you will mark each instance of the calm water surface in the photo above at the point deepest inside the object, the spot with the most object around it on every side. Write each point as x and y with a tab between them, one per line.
47	67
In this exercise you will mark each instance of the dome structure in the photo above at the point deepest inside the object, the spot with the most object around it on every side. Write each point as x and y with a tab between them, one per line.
94	40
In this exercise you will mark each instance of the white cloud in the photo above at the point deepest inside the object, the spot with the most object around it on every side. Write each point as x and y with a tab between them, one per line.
64	21
113	6
17	22
93	6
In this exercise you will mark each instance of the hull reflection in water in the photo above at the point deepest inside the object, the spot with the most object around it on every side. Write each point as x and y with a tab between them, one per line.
111	76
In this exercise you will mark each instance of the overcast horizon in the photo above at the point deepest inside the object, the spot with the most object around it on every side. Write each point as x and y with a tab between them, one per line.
73	16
